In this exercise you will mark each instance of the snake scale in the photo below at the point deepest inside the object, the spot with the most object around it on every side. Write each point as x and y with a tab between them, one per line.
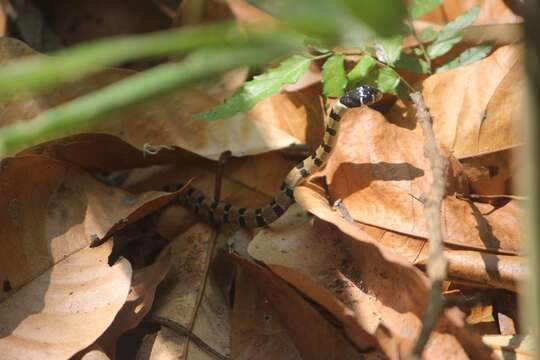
223	212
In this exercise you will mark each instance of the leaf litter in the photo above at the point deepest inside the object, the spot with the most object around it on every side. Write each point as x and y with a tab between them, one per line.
320	287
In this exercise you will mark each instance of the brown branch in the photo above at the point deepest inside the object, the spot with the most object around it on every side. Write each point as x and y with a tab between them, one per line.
437	263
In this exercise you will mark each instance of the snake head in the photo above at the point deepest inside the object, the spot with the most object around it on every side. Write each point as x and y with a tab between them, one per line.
361	95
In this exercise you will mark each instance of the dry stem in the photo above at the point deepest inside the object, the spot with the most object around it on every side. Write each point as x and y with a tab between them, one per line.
437	263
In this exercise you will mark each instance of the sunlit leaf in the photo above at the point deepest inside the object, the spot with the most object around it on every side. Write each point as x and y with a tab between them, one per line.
428	34
467	57
450	34
333	76
261	87
392	49
361	69
418	8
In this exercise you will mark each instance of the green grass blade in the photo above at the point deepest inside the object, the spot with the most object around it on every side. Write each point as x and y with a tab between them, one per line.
91	109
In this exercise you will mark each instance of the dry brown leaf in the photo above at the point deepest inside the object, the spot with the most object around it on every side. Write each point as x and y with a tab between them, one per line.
475	108
491	12
472	267
53	209
395	289
321	339
139	300
257	331
379	171
80	292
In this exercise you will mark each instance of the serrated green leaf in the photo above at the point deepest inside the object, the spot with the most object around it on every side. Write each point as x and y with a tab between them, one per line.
333	76
361	70
427	35
261	87
387	80
450	34
392	49
413	64
384	79
418	8
468	56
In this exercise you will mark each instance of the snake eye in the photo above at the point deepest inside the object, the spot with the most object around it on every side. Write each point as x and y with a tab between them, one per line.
361	95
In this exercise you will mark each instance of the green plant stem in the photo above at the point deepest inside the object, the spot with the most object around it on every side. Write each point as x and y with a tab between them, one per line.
91	109
421	45
39	72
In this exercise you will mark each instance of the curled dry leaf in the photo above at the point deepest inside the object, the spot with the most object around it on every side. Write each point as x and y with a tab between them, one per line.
52	210
379	171
80	292
377	296
139	300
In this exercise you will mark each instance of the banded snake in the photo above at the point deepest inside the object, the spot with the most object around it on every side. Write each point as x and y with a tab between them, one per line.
223	212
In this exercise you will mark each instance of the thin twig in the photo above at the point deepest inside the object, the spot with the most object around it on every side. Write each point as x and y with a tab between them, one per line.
223	158
437	263
184	331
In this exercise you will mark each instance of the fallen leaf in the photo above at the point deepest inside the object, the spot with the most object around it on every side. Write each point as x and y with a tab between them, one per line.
139	301
81	289
256	329
476	109
378	297
379	171
321	340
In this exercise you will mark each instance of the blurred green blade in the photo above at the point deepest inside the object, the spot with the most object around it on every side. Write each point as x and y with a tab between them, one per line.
261	87
38	72
91	109
333	76
384	16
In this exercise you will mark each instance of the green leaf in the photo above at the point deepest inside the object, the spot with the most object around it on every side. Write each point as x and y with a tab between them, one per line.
261	87
392	49
450	34
386	79
333	76
418	8
427	35
413	64
469	56
361	70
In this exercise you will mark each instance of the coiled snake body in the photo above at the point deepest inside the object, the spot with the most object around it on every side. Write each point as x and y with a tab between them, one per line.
222	212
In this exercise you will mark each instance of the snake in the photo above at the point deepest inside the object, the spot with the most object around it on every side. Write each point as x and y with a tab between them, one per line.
219	212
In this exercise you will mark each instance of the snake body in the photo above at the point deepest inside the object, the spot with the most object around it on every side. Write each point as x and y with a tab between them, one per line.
223	212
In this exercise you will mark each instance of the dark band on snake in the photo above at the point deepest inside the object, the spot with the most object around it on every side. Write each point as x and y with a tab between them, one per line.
222	212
